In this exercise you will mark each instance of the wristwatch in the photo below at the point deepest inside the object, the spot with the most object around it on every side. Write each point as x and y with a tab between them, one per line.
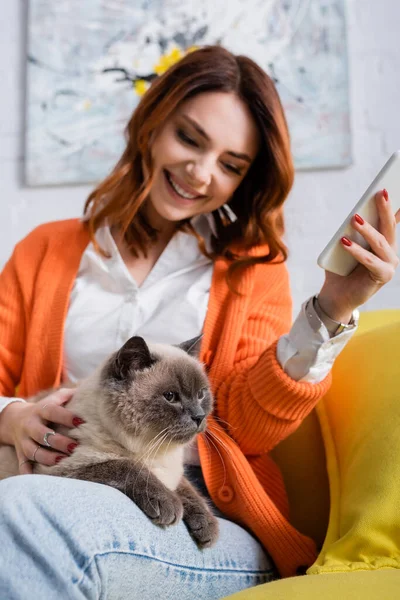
333	327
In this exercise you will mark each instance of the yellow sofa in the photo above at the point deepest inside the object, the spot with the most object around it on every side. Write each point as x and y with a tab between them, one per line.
342	473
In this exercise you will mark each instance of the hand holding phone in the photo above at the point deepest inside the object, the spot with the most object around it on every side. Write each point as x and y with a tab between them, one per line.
334	257
367	242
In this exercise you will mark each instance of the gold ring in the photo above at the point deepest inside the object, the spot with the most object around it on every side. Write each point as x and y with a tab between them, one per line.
23	462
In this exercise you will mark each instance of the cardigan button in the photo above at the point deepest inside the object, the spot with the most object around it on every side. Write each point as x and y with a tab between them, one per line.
225	493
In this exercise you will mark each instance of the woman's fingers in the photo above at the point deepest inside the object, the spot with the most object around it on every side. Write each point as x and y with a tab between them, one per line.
381	271
379	244
57	441
387	220
51	409
58	397
36	453
24	464
59	415
36	441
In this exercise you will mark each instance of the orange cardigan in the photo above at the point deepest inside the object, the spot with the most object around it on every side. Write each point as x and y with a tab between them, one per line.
256	403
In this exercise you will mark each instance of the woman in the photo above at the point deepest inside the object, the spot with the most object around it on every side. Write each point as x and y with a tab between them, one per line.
183	236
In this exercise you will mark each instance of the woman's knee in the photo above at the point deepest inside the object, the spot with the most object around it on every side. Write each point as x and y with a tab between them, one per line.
101	538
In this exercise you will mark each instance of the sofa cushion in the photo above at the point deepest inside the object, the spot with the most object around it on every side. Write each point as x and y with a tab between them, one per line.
360	423
365	585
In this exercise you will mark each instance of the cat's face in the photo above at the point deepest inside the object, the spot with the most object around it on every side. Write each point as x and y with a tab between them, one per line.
157	390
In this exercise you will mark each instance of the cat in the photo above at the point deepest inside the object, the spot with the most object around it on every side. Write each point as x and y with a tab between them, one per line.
140	408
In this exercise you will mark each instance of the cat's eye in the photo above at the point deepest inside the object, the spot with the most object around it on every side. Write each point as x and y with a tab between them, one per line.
201	393
171	396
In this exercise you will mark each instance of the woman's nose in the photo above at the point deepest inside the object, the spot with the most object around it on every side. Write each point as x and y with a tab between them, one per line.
200	172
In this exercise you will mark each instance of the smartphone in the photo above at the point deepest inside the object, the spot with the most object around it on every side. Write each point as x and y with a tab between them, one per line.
333	257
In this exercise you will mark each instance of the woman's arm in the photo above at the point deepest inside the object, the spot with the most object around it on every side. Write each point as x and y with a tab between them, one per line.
261	403
12	341
308	351
12	329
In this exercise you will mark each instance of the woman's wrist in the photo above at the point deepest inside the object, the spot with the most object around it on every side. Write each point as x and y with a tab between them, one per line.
333	309
7	416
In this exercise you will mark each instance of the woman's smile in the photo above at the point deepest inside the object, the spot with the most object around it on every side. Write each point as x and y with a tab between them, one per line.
180	191
200	155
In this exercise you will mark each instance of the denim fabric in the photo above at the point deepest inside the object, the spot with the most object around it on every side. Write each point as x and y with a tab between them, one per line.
195	475
67	539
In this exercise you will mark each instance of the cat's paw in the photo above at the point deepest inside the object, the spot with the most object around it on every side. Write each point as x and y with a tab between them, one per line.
203	527
163	509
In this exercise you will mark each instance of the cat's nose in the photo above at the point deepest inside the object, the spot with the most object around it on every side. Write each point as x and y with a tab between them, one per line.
199	418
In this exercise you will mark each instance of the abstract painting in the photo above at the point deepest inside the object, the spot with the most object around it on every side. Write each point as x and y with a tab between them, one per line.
90	62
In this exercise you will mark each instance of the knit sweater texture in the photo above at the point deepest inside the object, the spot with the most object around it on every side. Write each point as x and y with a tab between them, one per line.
256	404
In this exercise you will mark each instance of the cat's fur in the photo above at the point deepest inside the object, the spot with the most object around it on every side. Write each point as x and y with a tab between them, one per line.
134	437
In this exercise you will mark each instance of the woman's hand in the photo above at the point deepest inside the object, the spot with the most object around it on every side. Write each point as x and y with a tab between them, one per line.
27	426
341	295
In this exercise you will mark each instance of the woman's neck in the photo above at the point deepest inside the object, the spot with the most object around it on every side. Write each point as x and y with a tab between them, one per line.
165	229
140	266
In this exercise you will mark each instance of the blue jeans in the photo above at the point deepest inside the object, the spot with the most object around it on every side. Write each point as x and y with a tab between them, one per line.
69	539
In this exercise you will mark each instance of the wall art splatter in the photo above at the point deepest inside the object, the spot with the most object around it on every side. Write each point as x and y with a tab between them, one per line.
90	62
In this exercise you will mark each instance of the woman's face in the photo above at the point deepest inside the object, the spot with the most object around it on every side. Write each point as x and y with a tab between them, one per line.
200	156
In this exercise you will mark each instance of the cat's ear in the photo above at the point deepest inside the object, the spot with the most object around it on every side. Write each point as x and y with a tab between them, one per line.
192	347
133	356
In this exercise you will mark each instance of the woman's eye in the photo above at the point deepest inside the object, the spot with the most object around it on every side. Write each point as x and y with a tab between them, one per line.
201	394
185	138
170	396
233	169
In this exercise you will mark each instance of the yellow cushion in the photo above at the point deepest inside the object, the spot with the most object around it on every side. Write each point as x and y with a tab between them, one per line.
301	457
372	585
377	318
360	422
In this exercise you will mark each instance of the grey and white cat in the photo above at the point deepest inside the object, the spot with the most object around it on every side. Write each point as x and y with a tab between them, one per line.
141	408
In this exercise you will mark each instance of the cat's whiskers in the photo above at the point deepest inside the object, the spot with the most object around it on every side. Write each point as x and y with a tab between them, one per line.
155	445
156	448
210	429
226	448
225	422
152	445
219	453
168	445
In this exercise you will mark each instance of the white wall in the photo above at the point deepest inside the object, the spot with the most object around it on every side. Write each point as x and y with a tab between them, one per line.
320	199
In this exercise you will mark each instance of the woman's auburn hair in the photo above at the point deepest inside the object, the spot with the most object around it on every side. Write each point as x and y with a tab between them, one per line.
258	200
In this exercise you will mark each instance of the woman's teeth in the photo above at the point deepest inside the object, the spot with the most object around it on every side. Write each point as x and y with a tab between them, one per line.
179	190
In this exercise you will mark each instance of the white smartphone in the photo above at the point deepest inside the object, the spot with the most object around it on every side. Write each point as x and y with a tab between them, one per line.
333	257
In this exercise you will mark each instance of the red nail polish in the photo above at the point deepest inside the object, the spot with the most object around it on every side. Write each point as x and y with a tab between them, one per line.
58	458
71	447
76	421
359	219
346	241
385	195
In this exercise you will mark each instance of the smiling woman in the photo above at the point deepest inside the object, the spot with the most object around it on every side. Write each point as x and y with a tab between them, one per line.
183	239
195	171
189	149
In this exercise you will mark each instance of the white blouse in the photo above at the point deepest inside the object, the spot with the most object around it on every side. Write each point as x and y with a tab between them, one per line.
107	307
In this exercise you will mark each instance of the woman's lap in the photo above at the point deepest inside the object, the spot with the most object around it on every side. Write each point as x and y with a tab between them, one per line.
75	539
